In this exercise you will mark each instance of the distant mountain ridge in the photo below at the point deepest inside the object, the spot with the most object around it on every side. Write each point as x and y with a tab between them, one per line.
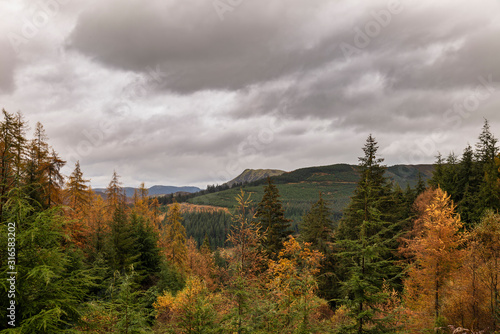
156	190
301	187
251	175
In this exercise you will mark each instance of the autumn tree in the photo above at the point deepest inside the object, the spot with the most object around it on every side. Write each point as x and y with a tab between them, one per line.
12	154
487	253
190	311
292	285
246	262
114	192
271	215
77	190
175	237
435	250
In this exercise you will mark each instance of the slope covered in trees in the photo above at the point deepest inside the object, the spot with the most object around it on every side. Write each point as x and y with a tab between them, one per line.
398	261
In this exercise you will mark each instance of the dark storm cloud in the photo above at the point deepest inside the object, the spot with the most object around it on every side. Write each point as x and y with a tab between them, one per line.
257	42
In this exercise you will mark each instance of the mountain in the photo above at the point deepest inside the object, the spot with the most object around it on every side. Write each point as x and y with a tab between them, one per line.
300	188
155	190
251	175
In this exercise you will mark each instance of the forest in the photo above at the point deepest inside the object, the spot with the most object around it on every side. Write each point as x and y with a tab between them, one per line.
420	260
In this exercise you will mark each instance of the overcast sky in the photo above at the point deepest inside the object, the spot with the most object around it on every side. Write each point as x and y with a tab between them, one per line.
192	92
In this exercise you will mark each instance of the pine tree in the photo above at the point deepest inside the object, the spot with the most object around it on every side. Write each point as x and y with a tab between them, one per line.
365	241
122	241
487	151
271	215
50	282
317	229
468	183
55	180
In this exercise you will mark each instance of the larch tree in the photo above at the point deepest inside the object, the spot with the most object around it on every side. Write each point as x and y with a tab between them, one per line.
436	253
77	190
114	192
487	252
175	237
12	146
246	262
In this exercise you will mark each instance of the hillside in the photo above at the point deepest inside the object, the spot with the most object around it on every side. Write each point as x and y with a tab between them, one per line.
155	190
251	175
300	188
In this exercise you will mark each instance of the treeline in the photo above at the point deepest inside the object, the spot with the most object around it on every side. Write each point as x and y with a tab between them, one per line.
398	261
184	197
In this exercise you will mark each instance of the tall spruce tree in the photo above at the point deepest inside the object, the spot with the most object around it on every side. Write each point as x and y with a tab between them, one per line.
486	152
365	240
271	216
317	228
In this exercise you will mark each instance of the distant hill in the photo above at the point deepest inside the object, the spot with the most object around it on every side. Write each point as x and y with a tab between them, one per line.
155	190
251	175
300	188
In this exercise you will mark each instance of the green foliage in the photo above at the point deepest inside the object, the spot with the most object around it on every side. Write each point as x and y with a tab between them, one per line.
317	229
214	225
51	282
121	244
170	278
365	241
472	181
271	216
129	305
146	244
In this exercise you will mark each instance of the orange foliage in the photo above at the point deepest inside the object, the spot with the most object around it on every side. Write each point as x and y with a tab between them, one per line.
435	249
201	264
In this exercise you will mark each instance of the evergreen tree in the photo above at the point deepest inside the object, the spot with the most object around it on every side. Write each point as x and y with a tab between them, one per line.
365	240
316	226
146	244
317	229
50	282
486	149
55	180
271	216
122	241
486	152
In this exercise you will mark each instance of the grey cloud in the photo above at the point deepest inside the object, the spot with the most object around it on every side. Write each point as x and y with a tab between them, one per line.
8	63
